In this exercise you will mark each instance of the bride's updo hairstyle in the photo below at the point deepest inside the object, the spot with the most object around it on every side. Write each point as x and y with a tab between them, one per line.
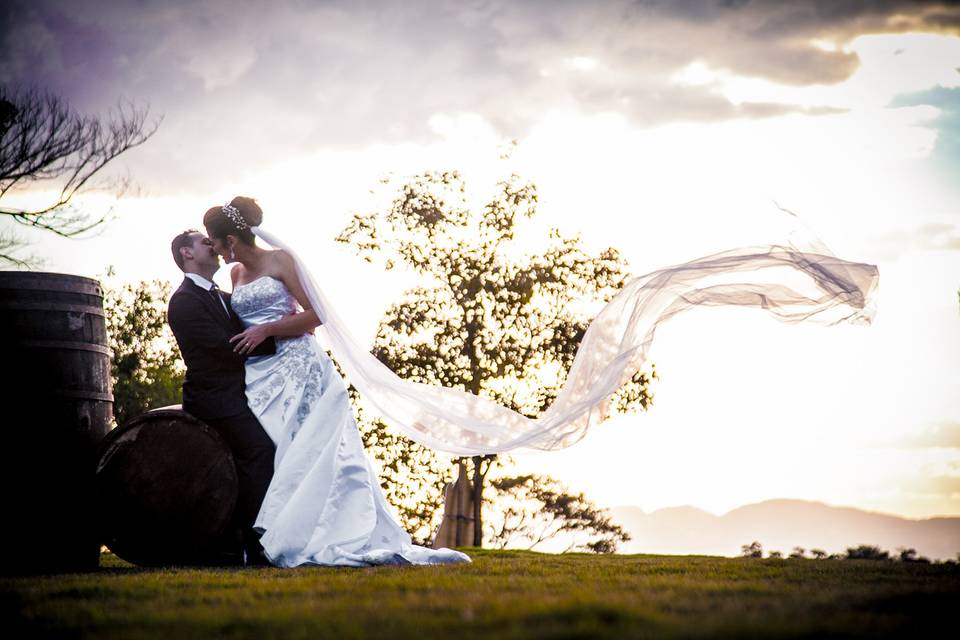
235	219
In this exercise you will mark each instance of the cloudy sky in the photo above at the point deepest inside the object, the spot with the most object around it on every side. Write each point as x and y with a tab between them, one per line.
666	129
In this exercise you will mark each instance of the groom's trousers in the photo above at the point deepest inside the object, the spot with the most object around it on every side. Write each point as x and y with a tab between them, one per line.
253	452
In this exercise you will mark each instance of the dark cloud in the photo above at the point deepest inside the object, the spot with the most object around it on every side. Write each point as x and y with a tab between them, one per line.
772	39
244	84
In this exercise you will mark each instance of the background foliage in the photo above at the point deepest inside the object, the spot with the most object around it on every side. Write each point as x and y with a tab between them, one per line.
494	315
146	366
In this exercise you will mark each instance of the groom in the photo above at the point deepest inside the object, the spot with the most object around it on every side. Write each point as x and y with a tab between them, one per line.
213	391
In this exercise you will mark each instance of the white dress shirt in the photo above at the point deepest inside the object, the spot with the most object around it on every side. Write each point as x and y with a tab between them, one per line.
203	283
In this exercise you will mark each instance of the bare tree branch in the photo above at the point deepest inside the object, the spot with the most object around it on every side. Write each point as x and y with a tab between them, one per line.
46	145
10	245
546	509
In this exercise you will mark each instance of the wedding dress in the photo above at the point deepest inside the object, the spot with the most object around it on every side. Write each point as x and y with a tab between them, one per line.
324	505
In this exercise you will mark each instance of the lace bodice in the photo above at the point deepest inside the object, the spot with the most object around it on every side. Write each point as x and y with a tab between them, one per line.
297	366
263	300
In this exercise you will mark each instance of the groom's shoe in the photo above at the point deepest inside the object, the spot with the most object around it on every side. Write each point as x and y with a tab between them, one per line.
253	551
224	559
225	551
255	558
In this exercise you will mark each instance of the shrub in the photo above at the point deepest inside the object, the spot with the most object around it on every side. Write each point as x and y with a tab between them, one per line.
867	552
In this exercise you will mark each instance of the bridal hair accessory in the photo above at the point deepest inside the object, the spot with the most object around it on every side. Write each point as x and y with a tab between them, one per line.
234	214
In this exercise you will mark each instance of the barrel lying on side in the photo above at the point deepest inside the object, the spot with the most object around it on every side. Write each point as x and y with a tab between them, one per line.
166	488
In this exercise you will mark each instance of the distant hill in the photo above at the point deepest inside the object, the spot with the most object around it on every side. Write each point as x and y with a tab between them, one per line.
780	525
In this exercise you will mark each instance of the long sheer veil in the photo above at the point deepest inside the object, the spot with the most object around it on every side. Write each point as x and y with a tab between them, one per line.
794	281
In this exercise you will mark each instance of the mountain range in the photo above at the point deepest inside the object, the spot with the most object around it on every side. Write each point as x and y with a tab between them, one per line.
781	525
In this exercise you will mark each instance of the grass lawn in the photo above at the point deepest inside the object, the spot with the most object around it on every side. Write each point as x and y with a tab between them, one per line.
503	594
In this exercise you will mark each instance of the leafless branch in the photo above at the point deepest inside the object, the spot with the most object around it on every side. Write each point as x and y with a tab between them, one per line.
46	145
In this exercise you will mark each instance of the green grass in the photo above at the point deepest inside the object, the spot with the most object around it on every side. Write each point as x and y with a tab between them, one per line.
503	594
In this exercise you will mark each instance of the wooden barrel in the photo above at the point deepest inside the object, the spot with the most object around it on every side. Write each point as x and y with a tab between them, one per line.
166	489
58	406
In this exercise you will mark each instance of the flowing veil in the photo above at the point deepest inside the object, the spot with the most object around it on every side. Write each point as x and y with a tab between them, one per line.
791	283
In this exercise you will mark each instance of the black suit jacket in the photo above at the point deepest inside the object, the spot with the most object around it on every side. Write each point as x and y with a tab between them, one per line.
214	386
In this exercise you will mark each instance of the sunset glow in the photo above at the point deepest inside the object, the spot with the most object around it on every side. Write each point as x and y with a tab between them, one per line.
670	151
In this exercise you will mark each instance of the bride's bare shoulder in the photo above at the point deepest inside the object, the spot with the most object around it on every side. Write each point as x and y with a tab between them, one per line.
236	271
286	269
282	260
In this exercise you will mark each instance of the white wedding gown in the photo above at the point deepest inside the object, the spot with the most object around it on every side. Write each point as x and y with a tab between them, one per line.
324	505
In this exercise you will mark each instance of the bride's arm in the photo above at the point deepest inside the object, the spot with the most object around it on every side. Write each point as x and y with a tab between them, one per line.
289	326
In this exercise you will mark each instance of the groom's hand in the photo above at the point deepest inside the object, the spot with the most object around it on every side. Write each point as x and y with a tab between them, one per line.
250	339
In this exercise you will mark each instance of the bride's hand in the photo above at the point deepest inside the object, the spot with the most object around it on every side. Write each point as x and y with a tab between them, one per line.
250	339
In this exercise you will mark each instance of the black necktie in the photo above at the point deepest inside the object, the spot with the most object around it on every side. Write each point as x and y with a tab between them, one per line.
215	292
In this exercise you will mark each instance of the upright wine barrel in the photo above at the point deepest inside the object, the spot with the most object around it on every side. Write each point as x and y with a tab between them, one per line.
166	488
58	405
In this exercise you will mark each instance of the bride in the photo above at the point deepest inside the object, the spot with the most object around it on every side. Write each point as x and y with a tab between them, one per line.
324	504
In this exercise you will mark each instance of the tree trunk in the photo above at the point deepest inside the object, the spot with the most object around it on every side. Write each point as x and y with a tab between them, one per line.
456	528
477	502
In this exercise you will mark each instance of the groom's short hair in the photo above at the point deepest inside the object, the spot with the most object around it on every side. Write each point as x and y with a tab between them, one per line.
182	240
